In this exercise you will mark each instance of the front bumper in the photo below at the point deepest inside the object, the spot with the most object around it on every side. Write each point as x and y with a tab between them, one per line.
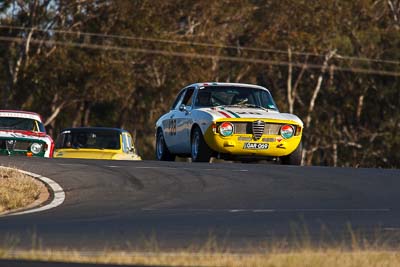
235	144
20	147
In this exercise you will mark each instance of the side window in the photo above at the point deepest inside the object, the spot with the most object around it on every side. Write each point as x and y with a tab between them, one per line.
178	99
125	143
130	143
187	100
61	140
41	127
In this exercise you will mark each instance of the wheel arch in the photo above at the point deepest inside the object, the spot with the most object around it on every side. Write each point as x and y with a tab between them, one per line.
195	125
159	128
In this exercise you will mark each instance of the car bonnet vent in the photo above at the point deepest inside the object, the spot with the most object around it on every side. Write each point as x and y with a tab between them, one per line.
258	129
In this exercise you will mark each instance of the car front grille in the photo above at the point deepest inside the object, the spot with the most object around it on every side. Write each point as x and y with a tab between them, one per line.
247	128
258	129
11	144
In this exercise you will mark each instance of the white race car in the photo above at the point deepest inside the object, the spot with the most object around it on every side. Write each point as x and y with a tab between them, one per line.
228	121
22	133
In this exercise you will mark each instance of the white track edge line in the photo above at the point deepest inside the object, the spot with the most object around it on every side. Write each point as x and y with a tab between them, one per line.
58	194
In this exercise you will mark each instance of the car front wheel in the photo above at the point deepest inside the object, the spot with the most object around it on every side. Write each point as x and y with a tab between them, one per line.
294	158
200	150
162	152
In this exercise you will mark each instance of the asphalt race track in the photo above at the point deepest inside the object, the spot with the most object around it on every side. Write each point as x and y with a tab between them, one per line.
131	205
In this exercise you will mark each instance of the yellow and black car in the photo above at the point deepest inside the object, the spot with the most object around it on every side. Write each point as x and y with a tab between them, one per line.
95	143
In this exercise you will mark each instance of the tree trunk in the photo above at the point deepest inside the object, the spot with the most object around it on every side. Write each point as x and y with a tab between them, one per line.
292	90
318	87
86	114
78	118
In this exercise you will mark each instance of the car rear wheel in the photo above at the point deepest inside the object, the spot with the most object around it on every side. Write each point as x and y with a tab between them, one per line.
294	158
200	150
162	152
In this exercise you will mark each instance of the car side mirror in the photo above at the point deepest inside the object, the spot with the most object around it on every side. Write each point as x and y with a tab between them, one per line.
182	107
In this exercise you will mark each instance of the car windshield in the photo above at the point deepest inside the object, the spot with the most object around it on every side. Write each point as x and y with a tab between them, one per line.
211	96
94	139
11	123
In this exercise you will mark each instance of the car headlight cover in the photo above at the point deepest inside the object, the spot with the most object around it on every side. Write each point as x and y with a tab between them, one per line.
287	131
36	148
226	129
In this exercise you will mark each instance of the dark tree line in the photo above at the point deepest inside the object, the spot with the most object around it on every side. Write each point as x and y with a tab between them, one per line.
336	64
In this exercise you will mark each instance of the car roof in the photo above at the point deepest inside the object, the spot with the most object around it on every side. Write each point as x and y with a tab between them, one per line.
205	84
89	129
20	114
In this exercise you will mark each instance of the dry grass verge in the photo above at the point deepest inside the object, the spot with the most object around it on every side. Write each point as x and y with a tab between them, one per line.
17	190
299	258
360	250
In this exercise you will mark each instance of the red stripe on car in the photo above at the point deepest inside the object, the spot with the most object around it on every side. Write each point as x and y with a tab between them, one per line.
224	113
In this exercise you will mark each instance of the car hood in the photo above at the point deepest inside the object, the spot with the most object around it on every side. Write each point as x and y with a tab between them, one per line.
22	134
84	153
249	113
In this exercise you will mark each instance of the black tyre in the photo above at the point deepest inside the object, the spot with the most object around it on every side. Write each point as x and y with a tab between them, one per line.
162	152
294	158
200	150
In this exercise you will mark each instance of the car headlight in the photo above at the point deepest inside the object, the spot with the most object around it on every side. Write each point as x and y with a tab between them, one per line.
287	131
36	148
226	129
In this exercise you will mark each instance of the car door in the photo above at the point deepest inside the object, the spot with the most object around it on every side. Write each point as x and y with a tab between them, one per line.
169	123
183	122
178	137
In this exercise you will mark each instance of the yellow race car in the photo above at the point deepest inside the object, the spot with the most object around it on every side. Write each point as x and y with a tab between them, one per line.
95	143
228	121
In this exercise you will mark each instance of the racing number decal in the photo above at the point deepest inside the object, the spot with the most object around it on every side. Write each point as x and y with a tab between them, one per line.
172	127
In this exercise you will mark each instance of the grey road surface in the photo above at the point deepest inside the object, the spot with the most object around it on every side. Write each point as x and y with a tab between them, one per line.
148	205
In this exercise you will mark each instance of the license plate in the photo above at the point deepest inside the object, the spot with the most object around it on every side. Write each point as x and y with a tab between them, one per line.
255	146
